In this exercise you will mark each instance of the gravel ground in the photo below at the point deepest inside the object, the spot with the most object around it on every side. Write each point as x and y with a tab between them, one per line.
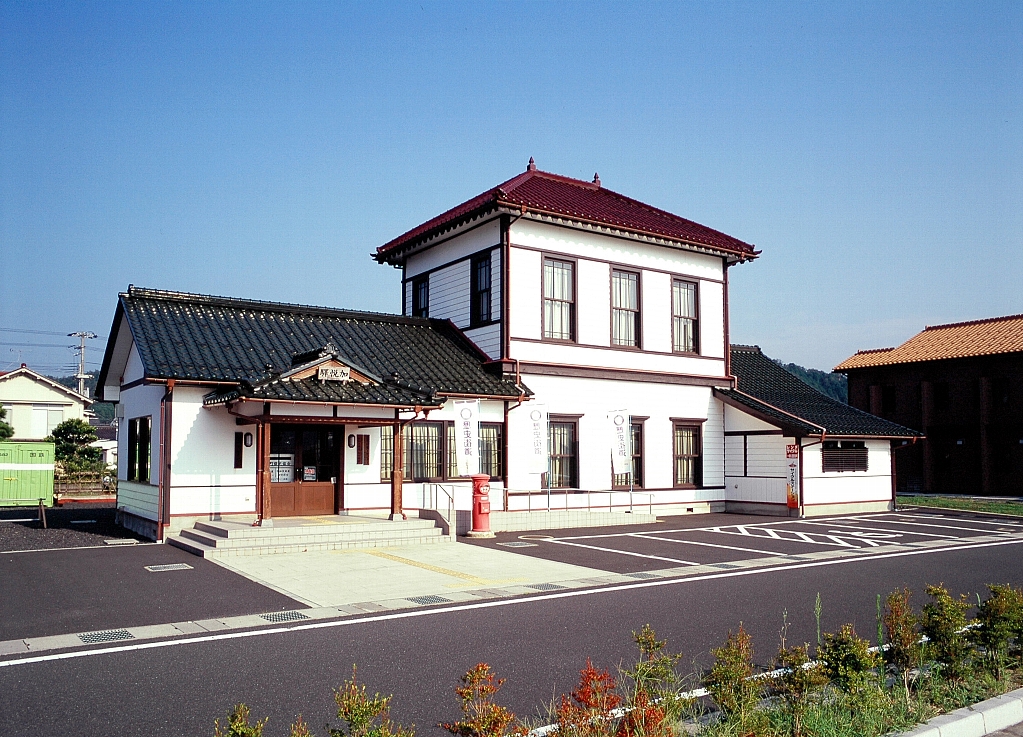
68	527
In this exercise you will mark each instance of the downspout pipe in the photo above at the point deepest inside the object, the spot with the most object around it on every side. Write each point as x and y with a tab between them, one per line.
163	489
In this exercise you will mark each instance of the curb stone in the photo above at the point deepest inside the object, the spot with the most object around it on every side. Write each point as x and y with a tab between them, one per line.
978	720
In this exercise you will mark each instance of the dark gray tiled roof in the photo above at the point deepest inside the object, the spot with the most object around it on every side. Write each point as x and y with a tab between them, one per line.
768	389
218	339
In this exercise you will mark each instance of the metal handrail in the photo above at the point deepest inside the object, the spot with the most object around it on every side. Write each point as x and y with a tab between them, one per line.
432	502
568	493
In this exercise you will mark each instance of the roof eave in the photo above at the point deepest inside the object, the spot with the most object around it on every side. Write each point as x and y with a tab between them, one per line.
396	254
558	218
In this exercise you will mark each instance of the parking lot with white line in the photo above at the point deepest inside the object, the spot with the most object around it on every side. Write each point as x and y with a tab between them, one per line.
684	541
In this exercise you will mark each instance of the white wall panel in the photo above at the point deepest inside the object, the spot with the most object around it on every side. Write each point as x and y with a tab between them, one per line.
655	314
874	484
745	489
712	324
765	456
593	302
738	421
735	456
525	300
488	339
449	293
577	355
142	500
468	242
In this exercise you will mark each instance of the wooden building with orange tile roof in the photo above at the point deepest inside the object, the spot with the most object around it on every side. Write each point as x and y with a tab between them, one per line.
961	384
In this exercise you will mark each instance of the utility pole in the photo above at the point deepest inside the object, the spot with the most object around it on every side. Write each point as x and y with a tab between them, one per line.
81	375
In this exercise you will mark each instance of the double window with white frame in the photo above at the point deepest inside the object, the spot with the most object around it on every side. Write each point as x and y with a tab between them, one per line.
558	299
624	308
684	320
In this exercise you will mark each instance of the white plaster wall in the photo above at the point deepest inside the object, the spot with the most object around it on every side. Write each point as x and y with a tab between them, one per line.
655	314
593	399
467	241
712	321
298	409
576	355
593	302
203	477
765	456
526	294
577	243
874	484
738	421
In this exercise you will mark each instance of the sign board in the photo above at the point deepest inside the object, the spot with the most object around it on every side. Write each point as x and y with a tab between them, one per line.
792	476
537	414
334	373
620	428
282	468
308	473
467	436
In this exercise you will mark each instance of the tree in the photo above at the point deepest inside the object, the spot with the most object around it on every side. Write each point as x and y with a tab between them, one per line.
6	430
71	440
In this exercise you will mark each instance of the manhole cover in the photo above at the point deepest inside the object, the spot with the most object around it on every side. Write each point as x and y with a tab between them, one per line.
519	544
430	599
168	567
545	586
284	616
91	638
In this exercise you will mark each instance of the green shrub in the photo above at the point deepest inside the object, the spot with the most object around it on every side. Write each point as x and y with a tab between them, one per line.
365	716
999	620
944	624
847	660
481	716
655	674
238	724
900	625
797	682
731	684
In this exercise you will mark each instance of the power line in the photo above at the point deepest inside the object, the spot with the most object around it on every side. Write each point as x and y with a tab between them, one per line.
38	332
40	345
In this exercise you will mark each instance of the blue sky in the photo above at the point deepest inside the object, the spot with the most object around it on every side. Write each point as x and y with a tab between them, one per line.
874	152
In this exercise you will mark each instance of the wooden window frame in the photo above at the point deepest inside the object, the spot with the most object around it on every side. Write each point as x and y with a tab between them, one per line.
573	473
695	319
637	314
140	449
637	457
480	300
361	449
573	313
697	482
421	295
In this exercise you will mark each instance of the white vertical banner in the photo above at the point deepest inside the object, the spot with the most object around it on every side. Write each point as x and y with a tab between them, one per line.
467	436
620	429
537	438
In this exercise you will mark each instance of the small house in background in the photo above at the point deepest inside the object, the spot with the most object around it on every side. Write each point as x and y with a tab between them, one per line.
789	449
36	404
962	385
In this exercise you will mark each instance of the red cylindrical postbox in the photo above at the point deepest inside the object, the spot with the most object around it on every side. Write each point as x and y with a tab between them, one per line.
480	506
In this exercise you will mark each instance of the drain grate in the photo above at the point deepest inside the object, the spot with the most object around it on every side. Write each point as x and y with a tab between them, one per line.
642	575
91	638
519	544
284	616
429	599
725	565
121	541
168	567
546	586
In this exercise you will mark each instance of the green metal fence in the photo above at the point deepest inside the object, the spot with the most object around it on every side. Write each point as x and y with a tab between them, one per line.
26	474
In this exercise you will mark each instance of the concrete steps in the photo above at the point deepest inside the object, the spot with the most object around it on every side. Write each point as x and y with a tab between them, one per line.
219	540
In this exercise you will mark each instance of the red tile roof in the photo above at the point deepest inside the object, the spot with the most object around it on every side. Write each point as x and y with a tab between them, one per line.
543	193
956	340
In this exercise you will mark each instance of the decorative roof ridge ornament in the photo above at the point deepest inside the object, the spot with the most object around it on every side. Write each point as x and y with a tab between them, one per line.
531	166
596	178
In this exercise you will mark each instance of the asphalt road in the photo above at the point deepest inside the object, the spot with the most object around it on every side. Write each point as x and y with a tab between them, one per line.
538	644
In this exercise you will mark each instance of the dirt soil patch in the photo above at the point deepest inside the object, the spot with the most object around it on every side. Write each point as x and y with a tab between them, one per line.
67	527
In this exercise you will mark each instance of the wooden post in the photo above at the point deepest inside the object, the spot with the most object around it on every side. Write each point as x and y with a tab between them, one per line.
926	418
985	436
266	519
397	471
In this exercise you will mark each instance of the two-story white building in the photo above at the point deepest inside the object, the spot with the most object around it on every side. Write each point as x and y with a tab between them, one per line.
554	306
597	303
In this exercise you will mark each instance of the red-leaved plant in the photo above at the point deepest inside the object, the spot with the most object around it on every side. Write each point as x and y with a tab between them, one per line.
481	716
587	712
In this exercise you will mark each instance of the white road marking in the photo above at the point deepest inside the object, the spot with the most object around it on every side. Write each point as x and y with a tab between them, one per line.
885	529
493	604
803	537
625	552
709	545
954	519
78	547
941	527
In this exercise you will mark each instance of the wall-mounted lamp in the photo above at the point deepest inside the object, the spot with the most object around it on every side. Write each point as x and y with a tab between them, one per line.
247	440
351	441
